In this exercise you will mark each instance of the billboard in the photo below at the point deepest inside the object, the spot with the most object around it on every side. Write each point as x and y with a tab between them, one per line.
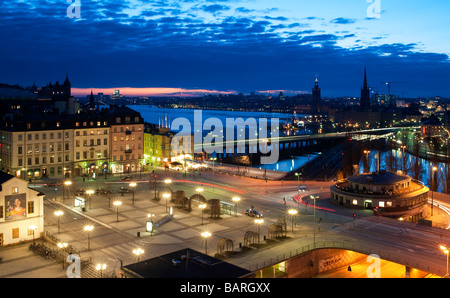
15	206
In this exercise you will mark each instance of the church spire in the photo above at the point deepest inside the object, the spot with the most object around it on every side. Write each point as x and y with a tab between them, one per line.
365	78
365	93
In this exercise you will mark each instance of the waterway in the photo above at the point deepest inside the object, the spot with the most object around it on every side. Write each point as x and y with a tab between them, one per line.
165	117
393	160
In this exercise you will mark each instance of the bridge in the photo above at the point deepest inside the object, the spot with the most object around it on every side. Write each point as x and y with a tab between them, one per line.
307	251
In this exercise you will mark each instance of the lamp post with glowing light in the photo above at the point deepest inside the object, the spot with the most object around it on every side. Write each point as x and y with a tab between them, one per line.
298	181
259	222
434	169
214	180
206	235
67	184
58	214
63	247
236	201
133	187
366	152
33	228
446	251
117	204
138	252
90	192
100	267
88	229
292	212
166	196
202	207
199	190
403	147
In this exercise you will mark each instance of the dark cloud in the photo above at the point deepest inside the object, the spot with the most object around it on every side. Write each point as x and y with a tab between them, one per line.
168	45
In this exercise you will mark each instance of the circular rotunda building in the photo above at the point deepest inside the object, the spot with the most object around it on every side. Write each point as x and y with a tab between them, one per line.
387	193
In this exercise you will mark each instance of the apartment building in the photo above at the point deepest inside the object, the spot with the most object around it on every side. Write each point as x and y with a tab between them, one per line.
158	147
89	143
35	148
127	139
91	138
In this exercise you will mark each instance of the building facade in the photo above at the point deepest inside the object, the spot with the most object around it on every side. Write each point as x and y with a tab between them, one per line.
127	140
34	148
389	194
91	145
21	211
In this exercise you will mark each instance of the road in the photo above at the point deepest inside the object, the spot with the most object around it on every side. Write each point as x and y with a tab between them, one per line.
114	240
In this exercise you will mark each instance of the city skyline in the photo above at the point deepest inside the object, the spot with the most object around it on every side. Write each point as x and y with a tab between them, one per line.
229	46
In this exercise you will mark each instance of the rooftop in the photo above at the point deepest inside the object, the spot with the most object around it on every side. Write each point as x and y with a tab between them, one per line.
185	263
381	178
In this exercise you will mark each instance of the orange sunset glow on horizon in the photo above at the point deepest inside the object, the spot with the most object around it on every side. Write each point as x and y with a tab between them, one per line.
153	91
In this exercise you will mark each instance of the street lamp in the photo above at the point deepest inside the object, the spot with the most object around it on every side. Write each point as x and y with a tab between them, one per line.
432	189
292	212
236	201
202	207
133	186
138	252
88	229
298	181
314	198
206	235
117	204
166	196
446	251
403	157
366	152
58	214
63	247
90	192
259	222
214	180
33	228
67	183
100	267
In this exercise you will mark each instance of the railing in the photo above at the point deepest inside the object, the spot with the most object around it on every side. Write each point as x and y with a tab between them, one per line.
348	246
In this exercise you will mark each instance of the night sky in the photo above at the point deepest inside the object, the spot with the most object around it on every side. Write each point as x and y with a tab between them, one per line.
232	46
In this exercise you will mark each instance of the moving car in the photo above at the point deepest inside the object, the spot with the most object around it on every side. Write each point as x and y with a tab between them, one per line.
80	192
253	213
102	191
123	190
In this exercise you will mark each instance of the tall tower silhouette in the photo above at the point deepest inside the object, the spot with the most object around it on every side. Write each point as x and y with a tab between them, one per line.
316	97
365	94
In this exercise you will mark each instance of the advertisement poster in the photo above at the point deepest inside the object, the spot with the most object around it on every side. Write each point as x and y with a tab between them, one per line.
15	207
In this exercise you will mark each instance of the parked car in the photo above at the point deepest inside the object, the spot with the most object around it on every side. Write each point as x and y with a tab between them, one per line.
253	213
123	190
80	192
102	191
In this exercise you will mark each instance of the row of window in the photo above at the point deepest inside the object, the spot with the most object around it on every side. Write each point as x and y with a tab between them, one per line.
91	142
43	147
43	136
126	157
51	159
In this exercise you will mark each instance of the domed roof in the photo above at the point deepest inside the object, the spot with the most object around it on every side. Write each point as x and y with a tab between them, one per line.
381	178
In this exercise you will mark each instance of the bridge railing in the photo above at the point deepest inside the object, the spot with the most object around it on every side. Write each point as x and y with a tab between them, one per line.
348	246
